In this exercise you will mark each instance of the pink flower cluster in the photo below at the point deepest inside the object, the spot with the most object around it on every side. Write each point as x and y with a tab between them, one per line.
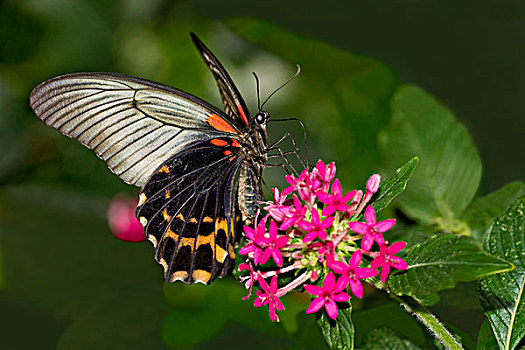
315	234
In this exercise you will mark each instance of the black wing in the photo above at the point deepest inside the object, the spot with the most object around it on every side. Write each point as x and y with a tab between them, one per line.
234	104
133	124
189	211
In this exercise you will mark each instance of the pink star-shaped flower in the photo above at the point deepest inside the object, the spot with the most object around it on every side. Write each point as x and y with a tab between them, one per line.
325	250
293	214
385	258
255	238
294	182
269	297
276	209
273	245
315	228
352	273
372	230
324	174
327	296
335	201
248	280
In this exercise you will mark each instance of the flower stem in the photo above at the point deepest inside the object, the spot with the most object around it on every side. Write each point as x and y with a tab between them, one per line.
295	283
424	316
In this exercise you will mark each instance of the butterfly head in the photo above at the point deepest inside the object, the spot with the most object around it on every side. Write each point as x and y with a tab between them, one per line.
261	117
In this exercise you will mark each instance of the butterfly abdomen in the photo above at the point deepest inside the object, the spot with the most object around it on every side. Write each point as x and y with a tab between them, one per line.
248	195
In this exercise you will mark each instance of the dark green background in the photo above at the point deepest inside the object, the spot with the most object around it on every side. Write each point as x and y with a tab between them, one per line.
66	283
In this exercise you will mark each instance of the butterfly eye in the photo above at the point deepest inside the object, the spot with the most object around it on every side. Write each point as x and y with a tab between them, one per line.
261	117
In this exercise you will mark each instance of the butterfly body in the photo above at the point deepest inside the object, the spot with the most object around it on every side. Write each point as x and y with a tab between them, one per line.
199	168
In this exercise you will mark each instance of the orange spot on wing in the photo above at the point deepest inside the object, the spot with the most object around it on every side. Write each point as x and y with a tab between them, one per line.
220	124
235	143
227	152
164	169
243	116
218	142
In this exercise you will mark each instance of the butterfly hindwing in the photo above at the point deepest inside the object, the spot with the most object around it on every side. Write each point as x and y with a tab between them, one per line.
189	211
133	124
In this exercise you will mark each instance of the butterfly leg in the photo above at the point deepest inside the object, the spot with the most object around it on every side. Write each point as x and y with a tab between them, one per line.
300	156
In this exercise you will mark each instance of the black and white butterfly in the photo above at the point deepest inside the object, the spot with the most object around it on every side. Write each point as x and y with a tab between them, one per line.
199	168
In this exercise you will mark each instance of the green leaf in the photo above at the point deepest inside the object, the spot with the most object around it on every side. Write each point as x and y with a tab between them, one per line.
386	339
486	340
339	333
392	187
441	262
502	295
450	168
482	210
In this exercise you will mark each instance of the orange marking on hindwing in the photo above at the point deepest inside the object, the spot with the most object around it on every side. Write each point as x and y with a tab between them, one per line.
168	194
207	219
165	214
220	124
201	276
163	169
227	152
218	142
220	254
179	276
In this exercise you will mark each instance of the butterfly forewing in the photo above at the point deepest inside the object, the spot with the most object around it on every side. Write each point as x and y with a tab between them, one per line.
132	124
234	104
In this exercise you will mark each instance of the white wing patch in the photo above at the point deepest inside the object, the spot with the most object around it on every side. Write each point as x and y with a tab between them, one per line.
134	125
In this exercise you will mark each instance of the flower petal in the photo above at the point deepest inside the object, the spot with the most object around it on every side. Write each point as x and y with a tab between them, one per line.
277	257
327	222
341	297
324	197
315	305
396	247
385	269
331	309
355	260
314	290
367	242
341	283
356	287
338	267
370	216
329	282
366	272
358	227
310	236
329	210
266	255
398	263
349	196
336	188
385	225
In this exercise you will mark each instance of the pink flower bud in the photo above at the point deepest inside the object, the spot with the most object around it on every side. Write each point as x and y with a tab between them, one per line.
373	183
122	221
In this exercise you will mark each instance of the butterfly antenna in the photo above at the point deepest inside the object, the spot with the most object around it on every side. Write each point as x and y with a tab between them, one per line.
258	94
283	85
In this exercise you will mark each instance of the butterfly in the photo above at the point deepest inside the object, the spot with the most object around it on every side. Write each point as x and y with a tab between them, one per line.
199	168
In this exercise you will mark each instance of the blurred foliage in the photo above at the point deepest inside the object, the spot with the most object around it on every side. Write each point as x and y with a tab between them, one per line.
63	278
